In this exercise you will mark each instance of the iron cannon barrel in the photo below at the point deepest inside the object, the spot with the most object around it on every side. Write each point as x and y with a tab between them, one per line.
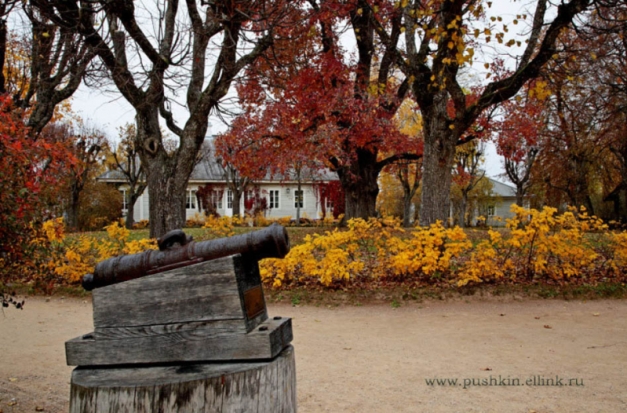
270	242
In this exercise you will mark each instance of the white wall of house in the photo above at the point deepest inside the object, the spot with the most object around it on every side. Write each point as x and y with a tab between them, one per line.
281	201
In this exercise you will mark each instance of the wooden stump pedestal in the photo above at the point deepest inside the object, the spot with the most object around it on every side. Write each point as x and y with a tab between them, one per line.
268	386
190	339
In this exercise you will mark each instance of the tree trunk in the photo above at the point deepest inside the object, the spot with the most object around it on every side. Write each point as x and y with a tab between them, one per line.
437	163
135	192
520	195
237	199
166	175
72	210
462	210
298	189
130	212
589	206
359	181
407	210
166	192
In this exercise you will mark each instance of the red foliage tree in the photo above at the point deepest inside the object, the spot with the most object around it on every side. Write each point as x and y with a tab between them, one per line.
325	109
524	122
331	193
29	171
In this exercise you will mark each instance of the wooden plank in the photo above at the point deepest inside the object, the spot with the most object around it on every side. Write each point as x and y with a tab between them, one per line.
217	328
217	387
264	342
250	290
201	292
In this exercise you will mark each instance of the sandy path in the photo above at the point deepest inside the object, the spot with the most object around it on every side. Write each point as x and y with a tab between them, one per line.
376	359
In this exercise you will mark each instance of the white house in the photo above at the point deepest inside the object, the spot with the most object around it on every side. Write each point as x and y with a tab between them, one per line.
282	196
504	197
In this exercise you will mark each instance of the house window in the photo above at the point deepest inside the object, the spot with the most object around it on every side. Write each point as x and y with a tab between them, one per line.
190	200
229	199
216	199
125	199
274	199
298	198
491	210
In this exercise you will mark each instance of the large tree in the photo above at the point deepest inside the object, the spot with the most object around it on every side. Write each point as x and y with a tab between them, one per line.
41	66
605	49
151	53
324	105
126	160
88	147
467	176
523	123
341	109
441	38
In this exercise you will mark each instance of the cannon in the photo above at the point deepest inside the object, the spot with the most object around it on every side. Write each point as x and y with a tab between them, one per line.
189	319
177	250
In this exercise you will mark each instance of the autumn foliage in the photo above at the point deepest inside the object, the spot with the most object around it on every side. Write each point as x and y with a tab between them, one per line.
538	246
29	171
62	259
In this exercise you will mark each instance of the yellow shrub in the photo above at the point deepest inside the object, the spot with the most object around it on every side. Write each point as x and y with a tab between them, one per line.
141	224
261	221
488	261
336	255
536	245
539	244
73	258
218	227
428	251
196	221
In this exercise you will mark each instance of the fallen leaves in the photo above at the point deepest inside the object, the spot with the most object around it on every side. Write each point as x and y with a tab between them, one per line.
547	326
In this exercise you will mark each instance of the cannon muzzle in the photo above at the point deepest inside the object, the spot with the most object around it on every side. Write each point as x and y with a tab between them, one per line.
178	250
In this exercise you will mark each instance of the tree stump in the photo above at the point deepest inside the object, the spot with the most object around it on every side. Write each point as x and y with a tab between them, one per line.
268	386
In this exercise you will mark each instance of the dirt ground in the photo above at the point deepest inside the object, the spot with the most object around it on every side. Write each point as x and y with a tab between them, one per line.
376	358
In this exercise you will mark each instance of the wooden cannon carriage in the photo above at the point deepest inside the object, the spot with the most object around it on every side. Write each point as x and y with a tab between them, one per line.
185	329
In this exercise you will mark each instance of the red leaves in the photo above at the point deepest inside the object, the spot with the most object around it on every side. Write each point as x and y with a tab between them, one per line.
523	123
319	114
27	167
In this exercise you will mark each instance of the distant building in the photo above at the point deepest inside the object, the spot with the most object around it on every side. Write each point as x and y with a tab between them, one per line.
281	195
497	210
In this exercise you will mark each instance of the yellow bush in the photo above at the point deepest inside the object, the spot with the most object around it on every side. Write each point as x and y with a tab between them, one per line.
196	221
73	258
429	250
535	245
141	224
219	227
488	261
542	244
